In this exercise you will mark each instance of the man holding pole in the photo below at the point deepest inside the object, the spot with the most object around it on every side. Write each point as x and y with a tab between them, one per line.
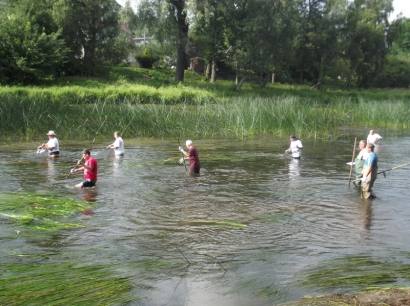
90	170
192	156
369	172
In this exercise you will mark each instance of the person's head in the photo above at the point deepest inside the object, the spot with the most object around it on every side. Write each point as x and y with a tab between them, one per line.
86	153
370	147
51	134
293	138
117	134
371	132
188	143
362	144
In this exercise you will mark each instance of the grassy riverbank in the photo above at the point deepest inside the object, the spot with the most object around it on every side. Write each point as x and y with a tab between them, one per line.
147	103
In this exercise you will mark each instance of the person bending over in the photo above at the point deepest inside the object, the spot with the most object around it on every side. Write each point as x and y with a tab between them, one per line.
192	156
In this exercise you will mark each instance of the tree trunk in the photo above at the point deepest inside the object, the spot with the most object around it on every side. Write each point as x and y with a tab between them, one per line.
208	71
182	37
213	72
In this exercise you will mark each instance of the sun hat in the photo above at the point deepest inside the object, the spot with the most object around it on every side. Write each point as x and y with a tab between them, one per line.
51	133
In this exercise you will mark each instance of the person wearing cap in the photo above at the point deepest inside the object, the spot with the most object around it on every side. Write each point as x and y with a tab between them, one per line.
295	147
369	172
117	145
192	156
52	146
89	167
374	138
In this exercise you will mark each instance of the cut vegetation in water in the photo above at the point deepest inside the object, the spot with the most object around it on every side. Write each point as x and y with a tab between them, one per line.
38	212
357	272
61	284
216	223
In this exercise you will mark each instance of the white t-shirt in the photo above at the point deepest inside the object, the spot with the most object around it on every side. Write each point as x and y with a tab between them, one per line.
295	148
374	138
53	145
119	146
363	154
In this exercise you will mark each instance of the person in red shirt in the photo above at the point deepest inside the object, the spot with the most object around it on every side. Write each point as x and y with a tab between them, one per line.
90	170
193	157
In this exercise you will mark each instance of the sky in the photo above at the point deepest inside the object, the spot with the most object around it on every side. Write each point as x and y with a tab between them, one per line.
400	6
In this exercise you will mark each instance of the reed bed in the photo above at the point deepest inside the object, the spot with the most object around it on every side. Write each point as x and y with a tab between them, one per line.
120	93
234	116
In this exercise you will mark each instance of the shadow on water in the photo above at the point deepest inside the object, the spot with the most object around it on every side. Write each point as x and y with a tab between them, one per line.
256	228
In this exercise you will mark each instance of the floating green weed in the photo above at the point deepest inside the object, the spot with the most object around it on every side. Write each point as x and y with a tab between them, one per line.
217	223
356	272
61	284
379	297
153	265
40	212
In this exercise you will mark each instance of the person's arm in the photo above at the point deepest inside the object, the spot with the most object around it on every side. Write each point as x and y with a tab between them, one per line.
77	169
367	170
186	155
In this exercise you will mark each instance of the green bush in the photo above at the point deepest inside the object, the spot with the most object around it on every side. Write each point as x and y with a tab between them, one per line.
396	73
147	59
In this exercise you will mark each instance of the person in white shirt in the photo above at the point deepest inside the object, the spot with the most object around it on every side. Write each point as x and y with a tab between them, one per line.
52	146
295	147
374	138
117	145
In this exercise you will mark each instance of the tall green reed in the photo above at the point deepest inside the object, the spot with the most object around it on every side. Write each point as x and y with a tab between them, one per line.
238	117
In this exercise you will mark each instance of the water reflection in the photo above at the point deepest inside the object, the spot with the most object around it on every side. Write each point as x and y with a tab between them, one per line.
294	168
366	212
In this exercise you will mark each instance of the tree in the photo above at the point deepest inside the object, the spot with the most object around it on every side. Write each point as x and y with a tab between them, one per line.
208	32
366	47
31	47
90	28
179	14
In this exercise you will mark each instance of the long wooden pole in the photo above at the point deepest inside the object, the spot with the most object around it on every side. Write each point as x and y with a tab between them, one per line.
351	164
390	169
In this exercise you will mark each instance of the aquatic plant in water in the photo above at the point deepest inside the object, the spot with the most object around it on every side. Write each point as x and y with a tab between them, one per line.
356	272
40	212
61	284
217	223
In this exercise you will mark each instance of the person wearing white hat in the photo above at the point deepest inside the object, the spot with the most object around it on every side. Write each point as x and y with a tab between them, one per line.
52	146
192	156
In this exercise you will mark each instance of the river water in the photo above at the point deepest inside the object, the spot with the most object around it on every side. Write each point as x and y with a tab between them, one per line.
243	233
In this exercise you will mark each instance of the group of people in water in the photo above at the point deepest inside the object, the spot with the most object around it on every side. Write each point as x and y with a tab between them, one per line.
366	165
365	162
89	165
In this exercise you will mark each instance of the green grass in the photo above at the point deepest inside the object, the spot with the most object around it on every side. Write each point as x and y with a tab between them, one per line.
356	272
61	284
142	102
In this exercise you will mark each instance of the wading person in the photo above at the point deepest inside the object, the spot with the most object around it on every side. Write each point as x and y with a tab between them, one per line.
295	147
117	145
52	146
359	161
374	138
89	168
369	172
192	156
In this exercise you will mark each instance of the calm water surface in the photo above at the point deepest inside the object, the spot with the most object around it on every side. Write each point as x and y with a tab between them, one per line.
297	214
